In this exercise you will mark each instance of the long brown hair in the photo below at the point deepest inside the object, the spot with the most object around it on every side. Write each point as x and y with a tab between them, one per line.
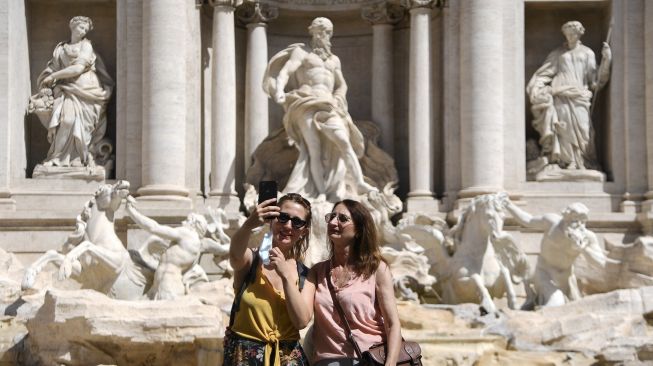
299	248
365	251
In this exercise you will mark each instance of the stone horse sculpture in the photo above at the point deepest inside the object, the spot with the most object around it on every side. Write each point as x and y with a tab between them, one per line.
479	261
93	254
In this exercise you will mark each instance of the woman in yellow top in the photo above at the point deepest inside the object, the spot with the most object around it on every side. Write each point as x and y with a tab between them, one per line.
265	323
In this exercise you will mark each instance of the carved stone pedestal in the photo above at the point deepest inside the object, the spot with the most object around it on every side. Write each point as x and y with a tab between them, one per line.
553	173
96	173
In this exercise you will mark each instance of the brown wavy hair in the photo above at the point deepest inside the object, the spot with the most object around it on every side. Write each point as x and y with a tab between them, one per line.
366	252
299	248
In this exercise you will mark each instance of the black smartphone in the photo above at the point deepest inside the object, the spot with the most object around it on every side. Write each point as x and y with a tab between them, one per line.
267	189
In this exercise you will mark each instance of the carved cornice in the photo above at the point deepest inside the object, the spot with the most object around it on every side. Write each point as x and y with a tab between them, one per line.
256	12
383	13
229	3
415	4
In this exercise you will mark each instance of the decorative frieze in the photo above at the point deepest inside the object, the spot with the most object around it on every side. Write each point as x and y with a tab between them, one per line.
383	13
254	12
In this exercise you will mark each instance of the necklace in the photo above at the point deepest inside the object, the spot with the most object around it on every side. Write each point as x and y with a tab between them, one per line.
342	275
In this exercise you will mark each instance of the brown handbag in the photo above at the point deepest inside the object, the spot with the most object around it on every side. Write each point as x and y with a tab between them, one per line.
410	353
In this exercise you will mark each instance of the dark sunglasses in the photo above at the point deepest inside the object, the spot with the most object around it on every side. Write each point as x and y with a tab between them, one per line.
342	218
296	222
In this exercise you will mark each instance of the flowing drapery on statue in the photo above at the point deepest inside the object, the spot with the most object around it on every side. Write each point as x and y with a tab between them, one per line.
74	90
316	117
561	93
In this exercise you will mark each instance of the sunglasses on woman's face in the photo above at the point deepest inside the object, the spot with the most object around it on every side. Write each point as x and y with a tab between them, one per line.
296	222
342	218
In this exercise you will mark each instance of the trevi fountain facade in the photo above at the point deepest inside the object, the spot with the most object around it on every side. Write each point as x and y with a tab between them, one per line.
504	148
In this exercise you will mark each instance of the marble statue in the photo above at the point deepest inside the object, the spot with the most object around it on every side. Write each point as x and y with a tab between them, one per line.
165	266
94	254
316	117
74	90
479	260
561	93
565	238
182	247
275	157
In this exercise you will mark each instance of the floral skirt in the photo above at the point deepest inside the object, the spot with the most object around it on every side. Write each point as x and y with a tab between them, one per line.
239	351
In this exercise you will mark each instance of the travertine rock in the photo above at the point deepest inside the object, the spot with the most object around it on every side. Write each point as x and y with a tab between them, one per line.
613	328
86	328
12	334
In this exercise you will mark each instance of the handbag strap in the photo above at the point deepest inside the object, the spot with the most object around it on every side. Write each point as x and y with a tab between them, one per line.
249	278
336	304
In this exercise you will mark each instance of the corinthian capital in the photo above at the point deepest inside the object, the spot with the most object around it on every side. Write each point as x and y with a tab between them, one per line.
412	4
383	13
256	12
229	3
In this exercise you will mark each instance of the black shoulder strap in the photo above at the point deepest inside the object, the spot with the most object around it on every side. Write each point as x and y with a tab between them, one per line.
249	278
302	271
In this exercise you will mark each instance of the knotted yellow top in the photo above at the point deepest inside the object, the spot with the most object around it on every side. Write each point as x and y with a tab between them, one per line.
263	316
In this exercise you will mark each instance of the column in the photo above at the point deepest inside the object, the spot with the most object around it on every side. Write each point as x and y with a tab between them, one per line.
255	15
15	90
194	101
420	129
5	115
164	101
130	125
647	206
481	71
383	17
223	107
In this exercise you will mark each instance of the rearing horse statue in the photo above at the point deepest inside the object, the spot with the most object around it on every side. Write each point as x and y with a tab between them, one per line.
480	261
95	250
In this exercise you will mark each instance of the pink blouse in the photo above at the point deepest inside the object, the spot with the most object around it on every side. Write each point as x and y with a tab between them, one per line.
357	299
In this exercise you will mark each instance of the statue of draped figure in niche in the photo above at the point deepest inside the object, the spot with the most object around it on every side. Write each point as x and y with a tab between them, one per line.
561	93
71	103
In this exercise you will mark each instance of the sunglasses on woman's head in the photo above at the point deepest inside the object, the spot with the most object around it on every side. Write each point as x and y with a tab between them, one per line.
342	218
296	222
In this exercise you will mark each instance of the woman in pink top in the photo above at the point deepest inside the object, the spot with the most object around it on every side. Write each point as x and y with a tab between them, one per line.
363	287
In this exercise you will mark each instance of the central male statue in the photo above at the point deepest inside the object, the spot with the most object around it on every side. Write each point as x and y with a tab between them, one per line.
316	117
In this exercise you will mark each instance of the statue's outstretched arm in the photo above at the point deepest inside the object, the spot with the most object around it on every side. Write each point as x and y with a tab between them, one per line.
148	224
524	218
211	246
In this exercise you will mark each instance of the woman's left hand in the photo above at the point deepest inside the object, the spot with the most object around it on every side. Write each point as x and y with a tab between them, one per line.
286	268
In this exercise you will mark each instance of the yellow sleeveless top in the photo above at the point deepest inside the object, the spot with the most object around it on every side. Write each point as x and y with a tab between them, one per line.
263	316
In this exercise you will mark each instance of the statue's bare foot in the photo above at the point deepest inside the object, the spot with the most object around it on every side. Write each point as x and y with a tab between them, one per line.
76	163
48	163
